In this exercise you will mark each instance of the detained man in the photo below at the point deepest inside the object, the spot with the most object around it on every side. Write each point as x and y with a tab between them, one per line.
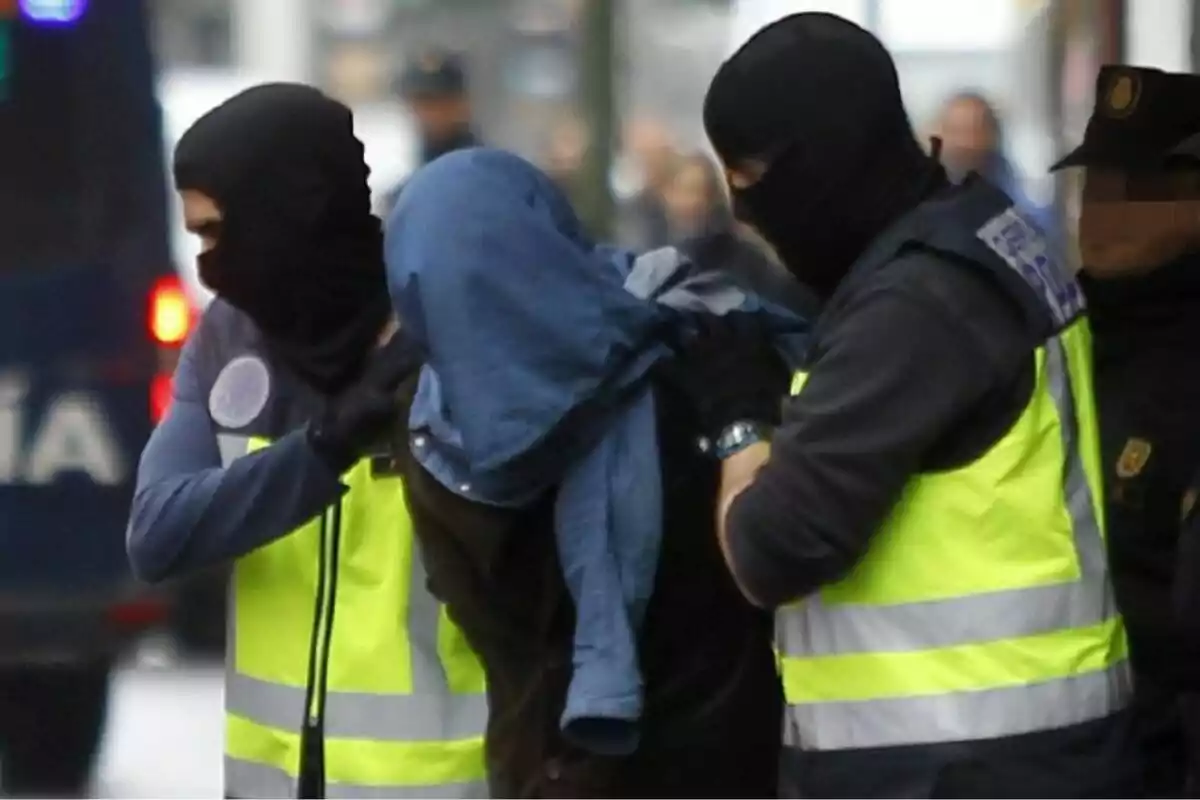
562	500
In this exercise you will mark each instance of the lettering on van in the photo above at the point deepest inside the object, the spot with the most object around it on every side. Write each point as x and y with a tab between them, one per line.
72	436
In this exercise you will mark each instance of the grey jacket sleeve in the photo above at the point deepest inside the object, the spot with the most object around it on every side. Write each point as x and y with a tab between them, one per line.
189	512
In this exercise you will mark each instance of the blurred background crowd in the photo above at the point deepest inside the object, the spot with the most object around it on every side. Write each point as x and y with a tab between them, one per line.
605	95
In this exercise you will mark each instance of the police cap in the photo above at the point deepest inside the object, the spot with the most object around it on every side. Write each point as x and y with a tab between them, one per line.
432	73
1143	119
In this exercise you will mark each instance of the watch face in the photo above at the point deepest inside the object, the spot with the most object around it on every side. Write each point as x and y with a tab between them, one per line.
738	436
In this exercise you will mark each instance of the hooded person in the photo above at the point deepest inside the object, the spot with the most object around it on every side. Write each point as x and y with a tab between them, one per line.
927	517
298	250
562	499
273	458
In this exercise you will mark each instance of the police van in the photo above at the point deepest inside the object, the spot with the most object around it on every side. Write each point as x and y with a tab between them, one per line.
91	319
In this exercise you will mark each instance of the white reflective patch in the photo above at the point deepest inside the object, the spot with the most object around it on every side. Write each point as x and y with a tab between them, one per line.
240	392
1024	247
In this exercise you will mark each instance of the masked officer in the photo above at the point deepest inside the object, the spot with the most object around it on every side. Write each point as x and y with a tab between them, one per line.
1139	237
927	517
433	86
344	676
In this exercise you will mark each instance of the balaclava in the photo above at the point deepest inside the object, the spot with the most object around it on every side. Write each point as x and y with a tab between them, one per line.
817	100
298	250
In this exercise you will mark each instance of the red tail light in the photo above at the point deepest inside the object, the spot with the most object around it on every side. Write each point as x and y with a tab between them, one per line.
170	318
160	396
137	614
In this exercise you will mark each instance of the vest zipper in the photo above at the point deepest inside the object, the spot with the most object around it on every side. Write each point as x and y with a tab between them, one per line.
312	739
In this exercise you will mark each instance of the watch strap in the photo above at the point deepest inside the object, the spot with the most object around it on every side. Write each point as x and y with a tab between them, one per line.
739	435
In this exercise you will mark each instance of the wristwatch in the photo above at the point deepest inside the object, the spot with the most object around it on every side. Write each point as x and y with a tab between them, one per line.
737	436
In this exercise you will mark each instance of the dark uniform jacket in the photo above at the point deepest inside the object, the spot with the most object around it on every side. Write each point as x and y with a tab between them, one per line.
1146	332
926	354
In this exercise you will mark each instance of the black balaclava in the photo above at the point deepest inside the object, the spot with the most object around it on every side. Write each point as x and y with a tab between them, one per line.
817	99
298	250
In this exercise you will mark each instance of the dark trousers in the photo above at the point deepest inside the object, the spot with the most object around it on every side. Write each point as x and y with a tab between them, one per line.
1095	759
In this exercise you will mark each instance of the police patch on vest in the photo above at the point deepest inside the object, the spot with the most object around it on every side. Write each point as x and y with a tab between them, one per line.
240	392
1024	248
1133	458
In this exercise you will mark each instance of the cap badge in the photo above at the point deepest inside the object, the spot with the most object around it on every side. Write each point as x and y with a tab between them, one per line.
1123	96
1133	458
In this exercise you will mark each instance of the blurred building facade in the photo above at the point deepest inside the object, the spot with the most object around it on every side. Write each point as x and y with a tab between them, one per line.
523	52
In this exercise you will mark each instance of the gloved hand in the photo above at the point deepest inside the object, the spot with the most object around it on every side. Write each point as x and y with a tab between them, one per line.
358	418
732	372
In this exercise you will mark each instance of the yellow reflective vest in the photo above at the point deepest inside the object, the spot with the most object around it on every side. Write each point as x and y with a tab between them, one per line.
983	608
334	623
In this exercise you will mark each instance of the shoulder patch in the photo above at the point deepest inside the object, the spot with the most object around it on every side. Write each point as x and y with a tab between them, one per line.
240	392
1022	246
1133	458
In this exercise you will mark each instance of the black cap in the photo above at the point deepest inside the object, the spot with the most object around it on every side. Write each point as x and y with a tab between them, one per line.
432	73
1143	118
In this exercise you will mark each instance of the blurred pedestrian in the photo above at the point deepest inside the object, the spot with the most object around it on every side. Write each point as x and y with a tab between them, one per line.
563	157
434	88
1139	238
972	137
927	518
274	456
642	219
694	198
702	226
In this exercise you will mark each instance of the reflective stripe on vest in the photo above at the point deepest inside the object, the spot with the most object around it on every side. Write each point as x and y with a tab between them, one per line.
388	732
1035	644
259	780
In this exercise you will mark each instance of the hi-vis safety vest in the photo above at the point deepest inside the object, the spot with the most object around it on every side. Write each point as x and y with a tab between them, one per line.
334	623
983	607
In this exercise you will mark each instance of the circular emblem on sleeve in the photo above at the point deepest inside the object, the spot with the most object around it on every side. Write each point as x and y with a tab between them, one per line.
240	392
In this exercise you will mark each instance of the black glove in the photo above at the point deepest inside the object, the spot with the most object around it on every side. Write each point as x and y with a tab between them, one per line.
366	411
732	372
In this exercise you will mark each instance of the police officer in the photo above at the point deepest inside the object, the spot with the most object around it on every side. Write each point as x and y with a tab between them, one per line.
1139	237
344	677
433	86
927	517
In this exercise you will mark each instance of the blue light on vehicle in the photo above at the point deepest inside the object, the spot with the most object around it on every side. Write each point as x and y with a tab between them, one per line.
53	12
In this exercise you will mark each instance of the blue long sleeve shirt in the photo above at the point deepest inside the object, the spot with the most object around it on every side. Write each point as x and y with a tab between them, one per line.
190	512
